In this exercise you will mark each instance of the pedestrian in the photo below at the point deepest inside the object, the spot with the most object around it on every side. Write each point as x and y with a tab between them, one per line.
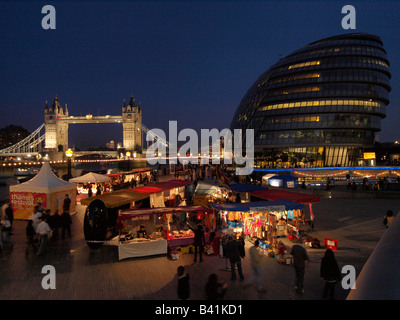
301	261
98	191
215	290
388	219
42	231
256	258
183	284
9	213
330	272
90	192
6	229
52	222
66	222
47	214
66	203
198	242
30	237
232	252
37	214
3	208
238	199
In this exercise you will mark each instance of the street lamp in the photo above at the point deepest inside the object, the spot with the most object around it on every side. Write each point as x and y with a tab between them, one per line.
69	153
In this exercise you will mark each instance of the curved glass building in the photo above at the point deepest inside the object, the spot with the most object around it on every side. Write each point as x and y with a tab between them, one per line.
320	105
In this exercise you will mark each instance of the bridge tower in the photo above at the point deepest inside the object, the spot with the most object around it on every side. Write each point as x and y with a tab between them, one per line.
131	125
56	131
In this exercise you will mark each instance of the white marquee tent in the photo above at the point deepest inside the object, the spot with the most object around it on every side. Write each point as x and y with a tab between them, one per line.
91	177
45	189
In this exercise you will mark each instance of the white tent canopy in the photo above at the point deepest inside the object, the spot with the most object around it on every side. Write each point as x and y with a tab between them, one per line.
45	182
45	189
91	177
266	177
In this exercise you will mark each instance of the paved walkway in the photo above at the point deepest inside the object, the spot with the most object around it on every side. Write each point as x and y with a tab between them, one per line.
83	273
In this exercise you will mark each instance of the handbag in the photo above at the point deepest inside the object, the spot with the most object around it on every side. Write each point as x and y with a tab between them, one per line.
50	234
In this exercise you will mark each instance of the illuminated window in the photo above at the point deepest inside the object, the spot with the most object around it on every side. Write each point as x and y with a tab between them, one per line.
321	103
304	64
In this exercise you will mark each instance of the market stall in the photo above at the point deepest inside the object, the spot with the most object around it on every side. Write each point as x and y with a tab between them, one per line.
117	198
89	180
284	181
261	219
169	192
128	175
244	190
157	222
304	198
266	177
210	191
45	189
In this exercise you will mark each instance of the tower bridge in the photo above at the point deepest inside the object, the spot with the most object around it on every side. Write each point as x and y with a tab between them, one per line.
52	135
57	121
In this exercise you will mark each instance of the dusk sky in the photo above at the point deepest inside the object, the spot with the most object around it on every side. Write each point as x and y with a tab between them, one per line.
190	61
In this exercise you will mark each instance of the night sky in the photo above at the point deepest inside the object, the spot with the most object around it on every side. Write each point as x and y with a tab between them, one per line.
190	61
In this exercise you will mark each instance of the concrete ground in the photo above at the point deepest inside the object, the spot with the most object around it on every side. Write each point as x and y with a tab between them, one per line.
86	274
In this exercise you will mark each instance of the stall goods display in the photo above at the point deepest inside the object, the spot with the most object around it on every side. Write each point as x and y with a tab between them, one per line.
181	234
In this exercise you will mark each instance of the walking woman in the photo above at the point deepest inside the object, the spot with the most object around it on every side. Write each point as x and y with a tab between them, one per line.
330	273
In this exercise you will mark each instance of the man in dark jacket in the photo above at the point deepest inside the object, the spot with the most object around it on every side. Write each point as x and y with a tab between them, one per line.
67	203
232	252
301	260
66	224
10	215
183	284
199	242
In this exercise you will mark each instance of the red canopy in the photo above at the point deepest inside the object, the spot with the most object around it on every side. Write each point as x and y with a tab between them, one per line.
285	195
130	213
161	186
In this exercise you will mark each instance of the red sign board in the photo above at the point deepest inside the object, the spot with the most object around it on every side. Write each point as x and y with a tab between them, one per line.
331	244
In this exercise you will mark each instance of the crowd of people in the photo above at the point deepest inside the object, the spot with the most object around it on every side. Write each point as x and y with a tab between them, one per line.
42	226
234	252
215	289
45	225
120	182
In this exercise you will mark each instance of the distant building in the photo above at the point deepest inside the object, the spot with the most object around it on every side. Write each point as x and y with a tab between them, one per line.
11	135
321	105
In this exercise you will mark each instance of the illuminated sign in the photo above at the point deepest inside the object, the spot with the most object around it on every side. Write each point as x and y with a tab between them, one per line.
369	155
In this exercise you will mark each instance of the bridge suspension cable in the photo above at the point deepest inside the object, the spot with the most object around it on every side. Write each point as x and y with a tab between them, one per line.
30	144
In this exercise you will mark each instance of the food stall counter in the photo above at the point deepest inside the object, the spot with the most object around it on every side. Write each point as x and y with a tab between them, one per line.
142	248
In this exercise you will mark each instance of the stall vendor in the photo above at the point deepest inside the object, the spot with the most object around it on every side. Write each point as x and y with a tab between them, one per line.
282	221
142	233
281	252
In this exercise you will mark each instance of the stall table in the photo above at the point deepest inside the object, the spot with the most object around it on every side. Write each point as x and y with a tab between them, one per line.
184	241
142	248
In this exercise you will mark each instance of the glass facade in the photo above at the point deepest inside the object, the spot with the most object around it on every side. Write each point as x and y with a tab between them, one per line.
326	100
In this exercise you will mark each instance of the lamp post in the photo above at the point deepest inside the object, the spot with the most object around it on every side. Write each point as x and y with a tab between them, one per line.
69	153
128	156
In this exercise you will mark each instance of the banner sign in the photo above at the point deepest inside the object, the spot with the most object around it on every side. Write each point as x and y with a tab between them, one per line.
24	202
